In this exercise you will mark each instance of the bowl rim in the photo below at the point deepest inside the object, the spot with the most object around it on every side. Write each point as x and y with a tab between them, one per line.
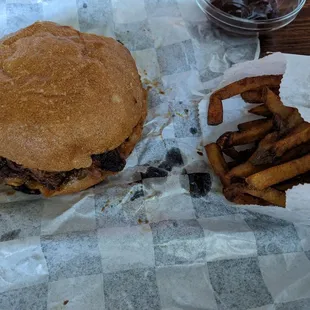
255	22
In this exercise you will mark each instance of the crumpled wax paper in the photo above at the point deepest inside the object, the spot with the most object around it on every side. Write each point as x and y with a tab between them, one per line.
158	235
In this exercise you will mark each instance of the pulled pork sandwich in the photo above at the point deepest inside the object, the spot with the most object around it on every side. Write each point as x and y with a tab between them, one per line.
72	109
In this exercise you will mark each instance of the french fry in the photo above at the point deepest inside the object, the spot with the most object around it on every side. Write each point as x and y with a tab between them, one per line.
285	126
294	153
256	95
270	195
215	111
288	143
264	144
285	117
261	110
245	199
246	84
276	90
217	161
232	164
232	153
280	173
284	186
268	139
280	157
244	170
270	152
300	179
244	137
239	156
248	168
253	96
251	124
303	126
246	154
274	104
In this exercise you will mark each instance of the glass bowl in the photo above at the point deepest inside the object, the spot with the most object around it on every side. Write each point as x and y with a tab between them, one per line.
288	10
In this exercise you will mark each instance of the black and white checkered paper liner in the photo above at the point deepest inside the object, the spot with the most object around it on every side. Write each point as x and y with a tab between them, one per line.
157	236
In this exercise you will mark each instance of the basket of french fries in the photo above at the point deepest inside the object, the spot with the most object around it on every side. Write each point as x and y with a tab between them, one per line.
261	149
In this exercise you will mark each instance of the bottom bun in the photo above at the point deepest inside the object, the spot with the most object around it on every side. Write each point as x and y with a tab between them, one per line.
76	186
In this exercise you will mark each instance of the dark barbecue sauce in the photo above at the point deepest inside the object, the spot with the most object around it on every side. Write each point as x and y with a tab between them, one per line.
249	9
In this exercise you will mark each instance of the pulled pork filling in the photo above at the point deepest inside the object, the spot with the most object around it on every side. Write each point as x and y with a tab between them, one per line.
108	161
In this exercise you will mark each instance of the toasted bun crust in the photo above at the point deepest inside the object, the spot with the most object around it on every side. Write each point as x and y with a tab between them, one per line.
64	96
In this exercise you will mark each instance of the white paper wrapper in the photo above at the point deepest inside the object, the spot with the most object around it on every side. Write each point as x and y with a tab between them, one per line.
295	84
155	236
294	92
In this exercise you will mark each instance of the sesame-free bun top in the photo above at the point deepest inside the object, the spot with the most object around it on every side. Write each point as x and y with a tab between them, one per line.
65	95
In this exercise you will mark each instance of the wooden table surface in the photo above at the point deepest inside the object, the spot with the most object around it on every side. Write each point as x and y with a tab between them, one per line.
293	39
